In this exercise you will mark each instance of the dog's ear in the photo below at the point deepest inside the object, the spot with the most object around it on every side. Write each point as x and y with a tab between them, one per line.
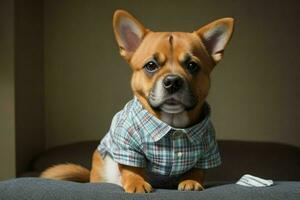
215	36
129	32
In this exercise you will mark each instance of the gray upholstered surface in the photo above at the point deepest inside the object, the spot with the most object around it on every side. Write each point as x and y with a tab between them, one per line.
34	188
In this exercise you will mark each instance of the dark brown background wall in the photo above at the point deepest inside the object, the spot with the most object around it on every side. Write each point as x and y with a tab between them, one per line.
29	81
7	97
22	117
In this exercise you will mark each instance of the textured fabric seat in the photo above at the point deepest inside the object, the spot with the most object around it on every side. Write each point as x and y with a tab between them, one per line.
35	188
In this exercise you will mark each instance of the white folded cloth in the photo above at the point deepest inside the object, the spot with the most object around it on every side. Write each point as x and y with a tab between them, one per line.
253	181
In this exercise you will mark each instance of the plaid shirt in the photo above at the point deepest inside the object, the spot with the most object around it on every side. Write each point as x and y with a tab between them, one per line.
137	138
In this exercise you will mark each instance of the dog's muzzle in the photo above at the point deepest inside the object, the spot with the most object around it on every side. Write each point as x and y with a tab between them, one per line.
171	94
172	83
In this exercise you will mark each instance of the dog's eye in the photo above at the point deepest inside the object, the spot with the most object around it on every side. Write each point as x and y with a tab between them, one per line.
151	66
192	66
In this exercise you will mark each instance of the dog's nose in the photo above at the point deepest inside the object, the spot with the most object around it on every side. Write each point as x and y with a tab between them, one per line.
172	83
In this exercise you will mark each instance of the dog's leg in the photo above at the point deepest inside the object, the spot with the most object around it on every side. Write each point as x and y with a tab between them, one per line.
104	170
192	180
97	168
133	179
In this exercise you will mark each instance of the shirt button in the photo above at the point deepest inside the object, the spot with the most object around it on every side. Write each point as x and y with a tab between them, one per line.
177	134
179	154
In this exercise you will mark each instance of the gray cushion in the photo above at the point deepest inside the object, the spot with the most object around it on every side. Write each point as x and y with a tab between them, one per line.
34	188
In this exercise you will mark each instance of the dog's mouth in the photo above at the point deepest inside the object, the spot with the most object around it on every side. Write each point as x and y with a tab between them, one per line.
172	106
162	100
172	102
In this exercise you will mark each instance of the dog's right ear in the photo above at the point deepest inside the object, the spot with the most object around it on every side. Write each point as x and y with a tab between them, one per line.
216	35
129	32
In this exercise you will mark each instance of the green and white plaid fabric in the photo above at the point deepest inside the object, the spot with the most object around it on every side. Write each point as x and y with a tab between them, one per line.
137	138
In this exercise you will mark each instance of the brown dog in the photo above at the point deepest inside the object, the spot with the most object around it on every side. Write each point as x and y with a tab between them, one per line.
171	82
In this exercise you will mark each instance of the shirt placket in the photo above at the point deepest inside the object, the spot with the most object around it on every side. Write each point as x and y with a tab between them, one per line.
176	152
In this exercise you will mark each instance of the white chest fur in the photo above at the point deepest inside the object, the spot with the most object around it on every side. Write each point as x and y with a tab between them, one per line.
111	172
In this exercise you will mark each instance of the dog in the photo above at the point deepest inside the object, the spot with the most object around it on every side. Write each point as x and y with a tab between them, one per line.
163	137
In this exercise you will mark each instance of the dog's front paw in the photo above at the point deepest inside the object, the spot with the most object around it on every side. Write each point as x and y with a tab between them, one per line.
137	186
189	185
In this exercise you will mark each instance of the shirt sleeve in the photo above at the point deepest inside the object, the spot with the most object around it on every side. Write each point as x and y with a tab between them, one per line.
211	156
127	148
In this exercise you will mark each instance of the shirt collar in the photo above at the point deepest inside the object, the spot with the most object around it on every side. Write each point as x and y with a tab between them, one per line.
154	129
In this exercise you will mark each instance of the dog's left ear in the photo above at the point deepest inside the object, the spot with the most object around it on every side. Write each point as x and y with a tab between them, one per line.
215	36
129	32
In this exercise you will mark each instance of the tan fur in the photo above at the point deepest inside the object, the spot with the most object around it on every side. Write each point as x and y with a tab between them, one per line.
97	166
137	49
133	179
184	43
69	172
192	180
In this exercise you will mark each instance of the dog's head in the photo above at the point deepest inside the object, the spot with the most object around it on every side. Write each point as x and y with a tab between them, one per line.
171	69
